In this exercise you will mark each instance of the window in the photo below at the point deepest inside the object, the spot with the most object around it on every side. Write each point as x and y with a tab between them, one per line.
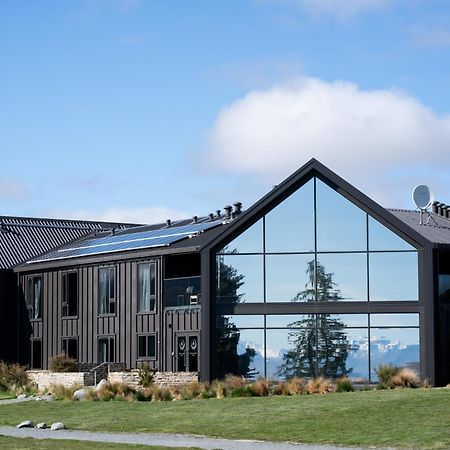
36	354
70	294
34	293
147	346
147	287
106	349
70	347
107	290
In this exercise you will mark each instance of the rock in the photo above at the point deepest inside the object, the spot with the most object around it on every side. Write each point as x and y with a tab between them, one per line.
80	394
25	424
42	426
57	426
100	384
39	398
21	396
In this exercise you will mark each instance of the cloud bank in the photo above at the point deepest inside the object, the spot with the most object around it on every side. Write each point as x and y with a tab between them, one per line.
376	138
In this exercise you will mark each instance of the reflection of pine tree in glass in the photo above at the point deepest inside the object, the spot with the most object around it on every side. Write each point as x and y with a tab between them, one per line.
319	344
228	359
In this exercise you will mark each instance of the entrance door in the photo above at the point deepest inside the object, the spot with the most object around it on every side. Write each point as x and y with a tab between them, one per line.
187	352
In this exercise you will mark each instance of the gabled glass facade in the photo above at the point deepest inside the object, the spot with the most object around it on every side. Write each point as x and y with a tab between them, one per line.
315	247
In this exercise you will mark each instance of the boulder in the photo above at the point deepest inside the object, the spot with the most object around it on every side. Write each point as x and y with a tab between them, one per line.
25	424
80	394
21	396
39	398
42	426
100	384
57	426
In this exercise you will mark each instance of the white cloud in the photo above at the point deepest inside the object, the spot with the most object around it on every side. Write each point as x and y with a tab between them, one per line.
13	189
341	9
381	140
130	215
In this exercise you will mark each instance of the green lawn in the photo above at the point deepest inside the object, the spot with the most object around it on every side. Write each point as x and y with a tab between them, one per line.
6	395
409	418
62	444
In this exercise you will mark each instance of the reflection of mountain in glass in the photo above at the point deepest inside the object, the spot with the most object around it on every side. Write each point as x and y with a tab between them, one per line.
319	345
229	360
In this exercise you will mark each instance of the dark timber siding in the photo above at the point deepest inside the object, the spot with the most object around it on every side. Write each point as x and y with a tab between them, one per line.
124	325
8	289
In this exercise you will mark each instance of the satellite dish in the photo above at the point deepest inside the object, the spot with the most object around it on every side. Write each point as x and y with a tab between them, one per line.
422	196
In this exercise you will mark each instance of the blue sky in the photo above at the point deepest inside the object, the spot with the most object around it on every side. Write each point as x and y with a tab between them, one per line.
144	110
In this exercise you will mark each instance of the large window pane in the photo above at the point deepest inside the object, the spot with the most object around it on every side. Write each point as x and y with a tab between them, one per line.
242	320
396	346
341	226
394	320
290	320
240	279
287	278
342	276
146	287
250	241
240	352
393	276
381	238
182	291
290	225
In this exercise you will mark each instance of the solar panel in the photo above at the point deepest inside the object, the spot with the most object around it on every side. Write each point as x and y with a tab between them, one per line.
130	240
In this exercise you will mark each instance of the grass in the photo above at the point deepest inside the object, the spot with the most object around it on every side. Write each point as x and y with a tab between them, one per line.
4	395
62	444
408	418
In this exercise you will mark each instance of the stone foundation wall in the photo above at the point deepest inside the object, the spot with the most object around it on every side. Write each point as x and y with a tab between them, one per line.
161	379
44	378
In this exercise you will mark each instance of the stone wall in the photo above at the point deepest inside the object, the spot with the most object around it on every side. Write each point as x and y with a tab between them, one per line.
161	379
44	378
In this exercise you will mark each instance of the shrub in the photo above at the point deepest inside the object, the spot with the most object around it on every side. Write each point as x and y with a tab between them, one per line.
260	388
146	375
385	372
281	388
192	390
162	394
62	363
318	385
233	382
208	394
12	375
144	395
296	385
344	385
244	391
405	377
218	388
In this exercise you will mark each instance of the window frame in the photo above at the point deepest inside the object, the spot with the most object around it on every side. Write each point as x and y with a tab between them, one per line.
147	357
110	300
64	342
30	295
65	295
111	338
155	287
32	362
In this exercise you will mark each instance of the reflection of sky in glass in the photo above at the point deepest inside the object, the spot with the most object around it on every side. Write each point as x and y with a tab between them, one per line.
252	267
253	339
349	273
283	320
250	241
351	320
381	238
285	276
399	320
393	276
246	321
396	346
340	224
290	225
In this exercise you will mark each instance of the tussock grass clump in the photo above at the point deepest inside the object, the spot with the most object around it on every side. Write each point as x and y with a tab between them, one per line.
318	385
61	392
191	390
293	386
344	385
406	377
260	388
144	395
385	372
12	375
115	391
62	363
233	382
218	388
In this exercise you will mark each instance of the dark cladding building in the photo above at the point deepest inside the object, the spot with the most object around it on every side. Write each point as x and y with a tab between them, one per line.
314	279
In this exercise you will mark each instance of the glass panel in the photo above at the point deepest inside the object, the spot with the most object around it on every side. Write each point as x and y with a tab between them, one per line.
290	320
103	350
381	238
396	346
243	321
151	346
340	224
240	352
390	320
393	276
287	278
146	289
142	350
181	291
444	288
240	279
291	352
351	320
250	241
103	297
342	276
342	351
290	225
37	297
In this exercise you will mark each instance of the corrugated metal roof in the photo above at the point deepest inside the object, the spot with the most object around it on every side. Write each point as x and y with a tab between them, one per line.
435	228
23	238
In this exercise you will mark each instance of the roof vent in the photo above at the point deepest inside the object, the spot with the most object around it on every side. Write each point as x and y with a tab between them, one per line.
228	210
218	214
237	208
195	219
211	216
168	223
